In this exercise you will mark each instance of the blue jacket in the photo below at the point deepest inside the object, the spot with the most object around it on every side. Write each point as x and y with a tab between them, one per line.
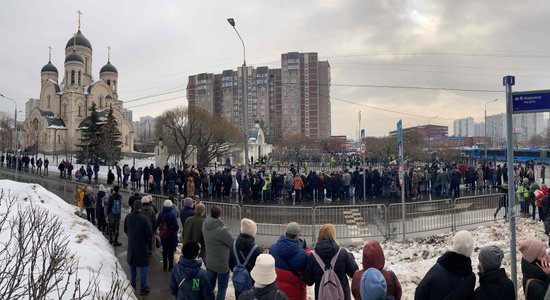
289	255
195	286
168	215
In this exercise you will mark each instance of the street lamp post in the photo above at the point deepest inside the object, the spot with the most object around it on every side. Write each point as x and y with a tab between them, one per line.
245	97
485	129
16	144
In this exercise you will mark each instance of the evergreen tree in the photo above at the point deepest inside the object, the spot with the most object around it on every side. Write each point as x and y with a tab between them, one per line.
91	137
111	146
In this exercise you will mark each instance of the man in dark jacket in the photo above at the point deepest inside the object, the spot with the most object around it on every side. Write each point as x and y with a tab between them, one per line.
187	211
245	244
493	281
290	256
192	229
218	241
114	213
136	227
451	277
133	199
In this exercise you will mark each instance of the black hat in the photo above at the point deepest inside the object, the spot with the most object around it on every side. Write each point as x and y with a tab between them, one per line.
190	250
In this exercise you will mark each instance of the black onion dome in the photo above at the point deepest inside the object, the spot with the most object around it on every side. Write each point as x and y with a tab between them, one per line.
108	68
49	67
73	57
81	40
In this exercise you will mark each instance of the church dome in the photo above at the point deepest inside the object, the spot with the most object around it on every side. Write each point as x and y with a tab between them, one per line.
108	68
81	40
49	67
73	57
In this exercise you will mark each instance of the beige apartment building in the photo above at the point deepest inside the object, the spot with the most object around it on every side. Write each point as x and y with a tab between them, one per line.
294	99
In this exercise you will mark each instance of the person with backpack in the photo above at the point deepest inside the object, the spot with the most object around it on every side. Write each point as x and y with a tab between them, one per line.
265	284
373	257
218	241
493	281
242	257
329	267
114	213
451	277
167	224
188	280
89	203
290	254
139	234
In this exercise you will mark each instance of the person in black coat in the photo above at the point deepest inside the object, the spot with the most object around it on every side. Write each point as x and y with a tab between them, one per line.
244	244
535	266
327	248
168	215
100	210
451	277
138	230
493	281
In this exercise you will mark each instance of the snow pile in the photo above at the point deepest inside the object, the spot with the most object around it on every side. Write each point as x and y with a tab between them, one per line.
91	250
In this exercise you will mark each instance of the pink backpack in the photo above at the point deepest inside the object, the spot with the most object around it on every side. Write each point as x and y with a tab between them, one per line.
329	287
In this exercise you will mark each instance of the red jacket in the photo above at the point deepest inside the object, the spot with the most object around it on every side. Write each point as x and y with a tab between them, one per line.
373	257
541	193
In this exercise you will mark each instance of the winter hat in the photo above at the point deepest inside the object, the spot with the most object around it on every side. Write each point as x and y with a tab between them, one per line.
264	270
89	190
530	249
373	285
248	227
145	199
190	249
188	202
168	203
463	243
293	228
137	205
101	188
490	257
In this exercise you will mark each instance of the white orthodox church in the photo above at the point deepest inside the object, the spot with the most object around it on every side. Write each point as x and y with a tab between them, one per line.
56	122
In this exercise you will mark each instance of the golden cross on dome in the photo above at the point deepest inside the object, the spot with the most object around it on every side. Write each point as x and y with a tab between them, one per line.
50	53
109	54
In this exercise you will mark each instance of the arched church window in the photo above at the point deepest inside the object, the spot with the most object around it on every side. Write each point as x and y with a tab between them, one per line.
100	101
58	138
35	124
114	85
72	77
79	113
79	77
109	82
49	101
65	110
126	140
86	65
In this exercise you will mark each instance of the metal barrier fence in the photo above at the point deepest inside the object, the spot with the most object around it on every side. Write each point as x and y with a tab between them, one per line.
352	222
272	220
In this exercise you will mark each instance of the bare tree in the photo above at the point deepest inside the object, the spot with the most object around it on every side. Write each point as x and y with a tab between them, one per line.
215	137
6	133
177	128
295	149
36	261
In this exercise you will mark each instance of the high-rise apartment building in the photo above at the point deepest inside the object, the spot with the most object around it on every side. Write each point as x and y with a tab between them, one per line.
464	127
292	100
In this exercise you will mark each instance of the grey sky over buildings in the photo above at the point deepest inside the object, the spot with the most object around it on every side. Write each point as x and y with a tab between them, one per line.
380	52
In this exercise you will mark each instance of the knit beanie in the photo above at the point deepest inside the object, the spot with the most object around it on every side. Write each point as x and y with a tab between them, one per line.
145	199
530	249
190	249
463	243
168	203
188	202
293	228
490	257
137	205
248	227
373	285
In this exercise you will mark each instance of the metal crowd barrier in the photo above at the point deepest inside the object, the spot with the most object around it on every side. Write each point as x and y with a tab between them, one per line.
272	220
354	222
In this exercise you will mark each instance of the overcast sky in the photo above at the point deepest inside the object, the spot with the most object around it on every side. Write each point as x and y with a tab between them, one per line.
156	45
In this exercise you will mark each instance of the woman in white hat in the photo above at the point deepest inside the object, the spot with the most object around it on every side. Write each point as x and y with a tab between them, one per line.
264	276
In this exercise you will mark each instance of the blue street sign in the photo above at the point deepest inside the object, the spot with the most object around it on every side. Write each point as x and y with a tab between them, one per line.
531	101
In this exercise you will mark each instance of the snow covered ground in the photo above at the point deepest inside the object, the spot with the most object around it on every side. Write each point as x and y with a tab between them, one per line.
92	251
